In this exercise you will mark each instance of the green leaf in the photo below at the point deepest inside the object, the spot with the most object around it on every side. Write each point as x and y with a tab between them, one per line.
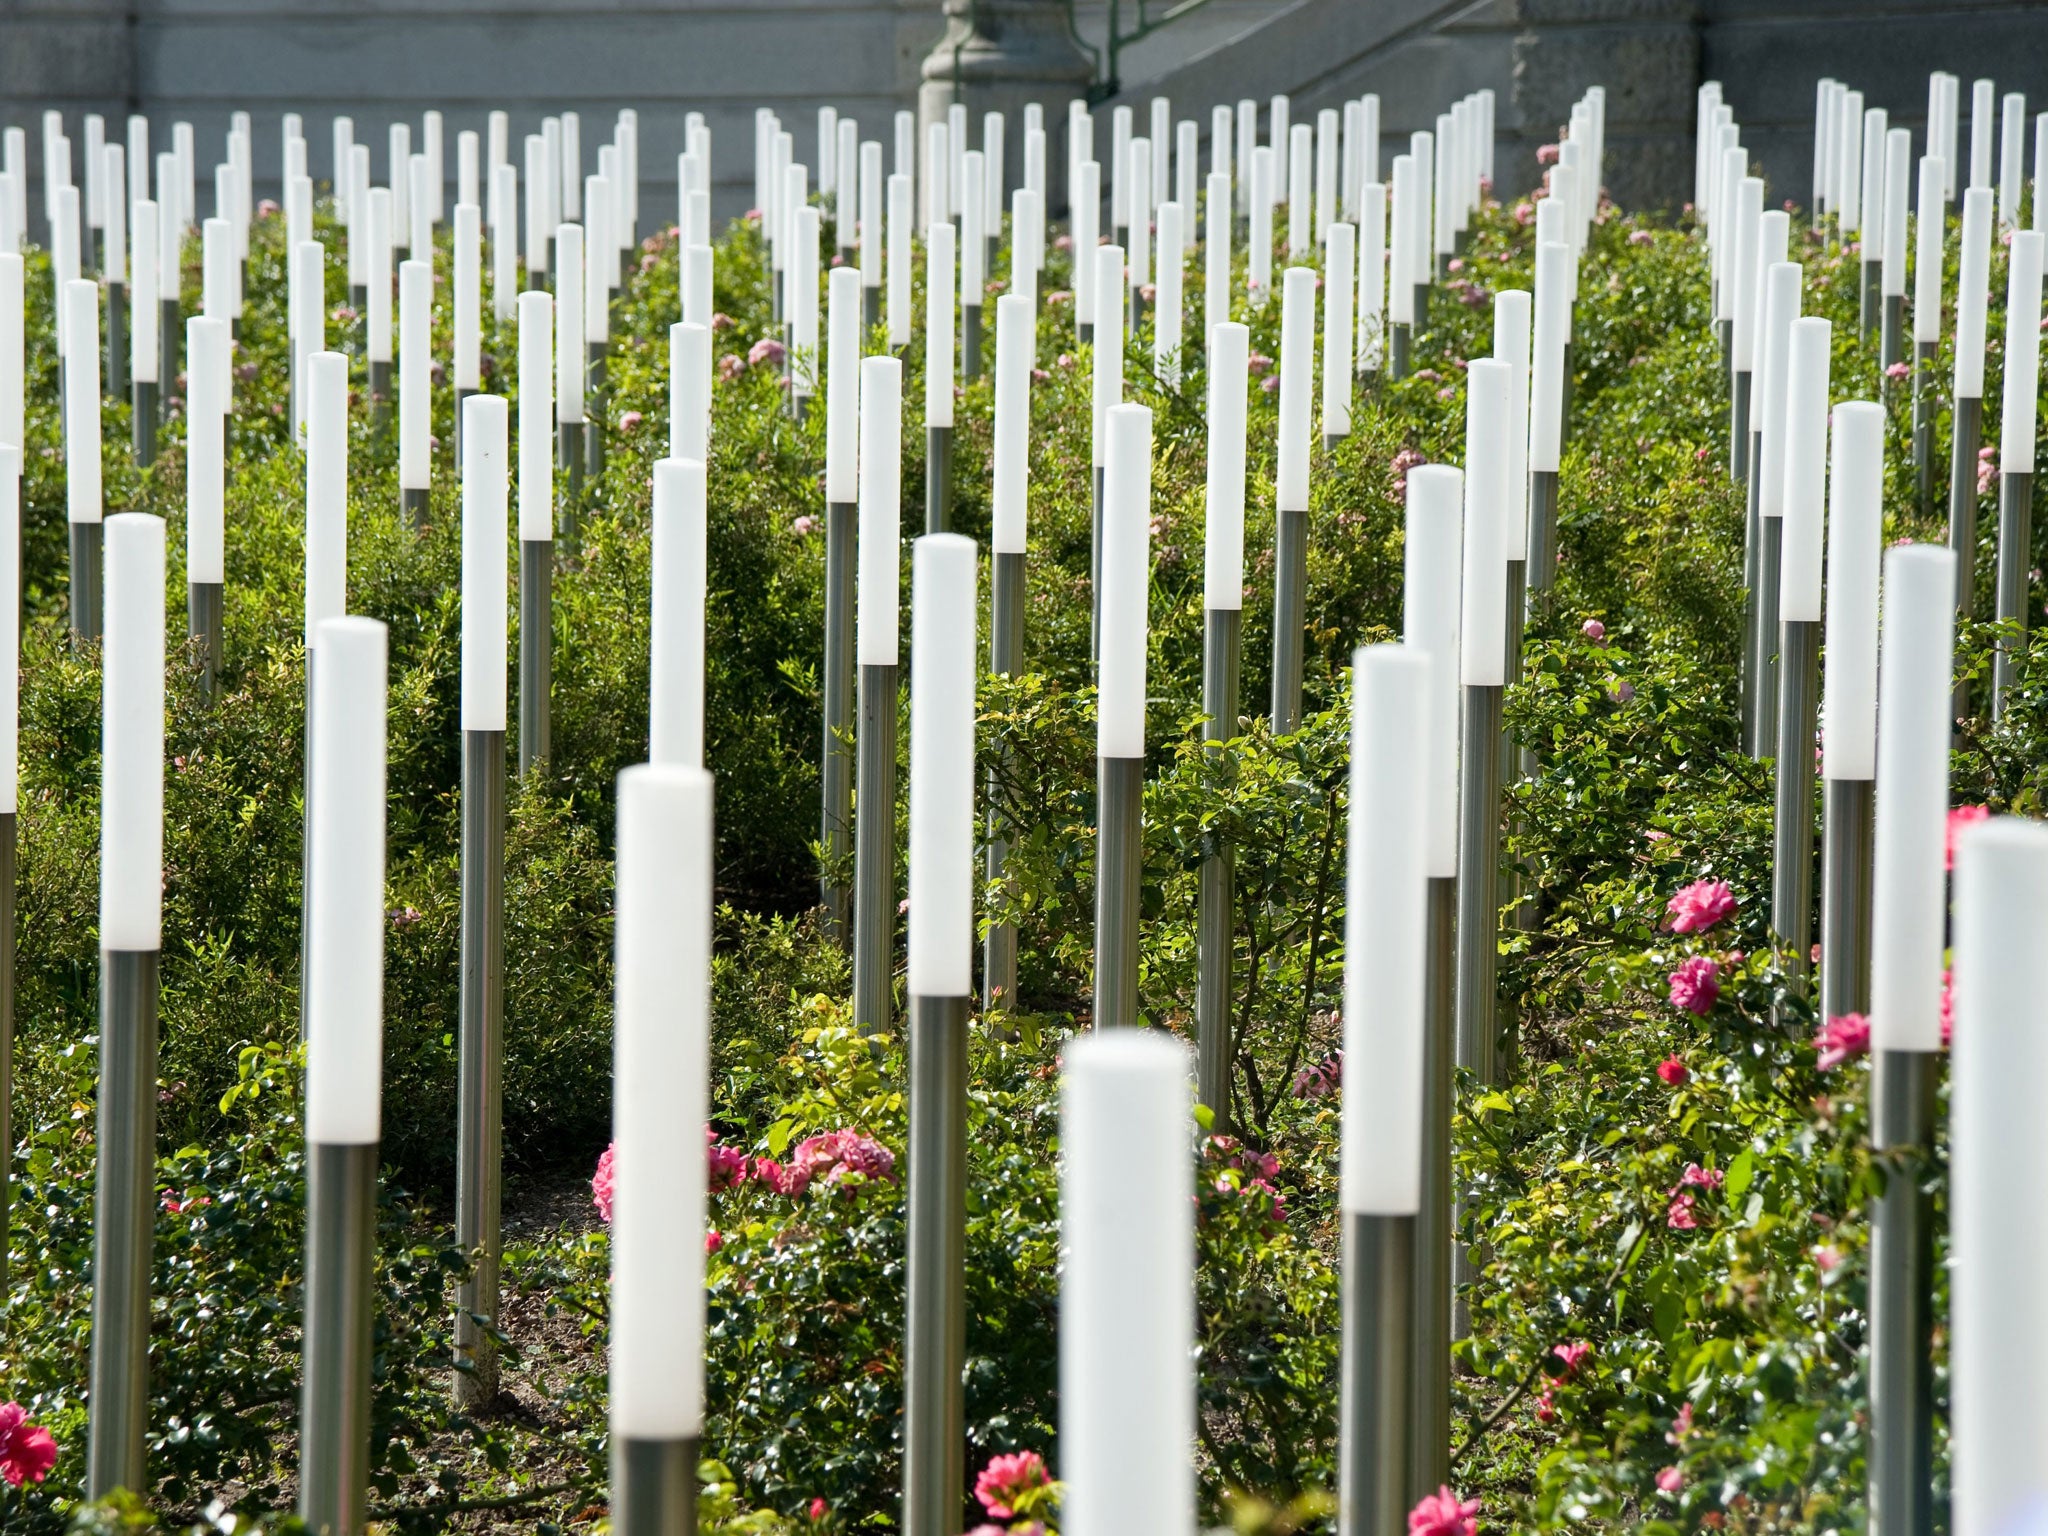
1740	1172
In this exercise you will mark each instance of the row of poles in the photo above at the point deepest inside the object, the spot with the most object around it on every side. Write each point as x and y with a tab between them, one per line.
1812	572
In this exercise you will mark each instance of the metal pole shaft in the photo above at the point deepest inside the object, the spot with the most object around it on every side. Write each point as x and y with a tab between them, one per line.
85	580
970	344
380	391
571	451
117	342
1290	583
654	1487
1515	762
1891	343
1567	390
536	648
1399	341
1006	658
1378	1352
2015	555
1215	933
1479	884
1429	1446
334	1404
143	421
203	602
1923	426
479	1170
1752	598
1901	1298
938	479
1847	840
1870	299
835	831
124	1224
1792	840
412	501
1542	564
1738	426
1095	577
874	853
1962	500
593	421
1767	638
1119	851
935	1335
170	355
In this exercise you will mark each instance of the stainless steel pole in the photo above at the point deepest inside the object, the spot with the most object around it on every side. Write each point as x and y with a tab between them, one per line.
1968	433
1479	1045
124	1225
143	421
1792	842
1429	1444
572	452
334	1404
536	648
1923	426
593	423
1848	839
117	344
1095	581
1752	602
1215	933
1290	584
170	364
1891	344
1006	659
1901	1457
654	1487
970	351
874	854
9	866
1542	564
85	581
203	619
2015	556
938	479
1870	300
935	1335
412	501
1400	339
836	774
380	391
1119	853
1768	662
1377	1349
1738	425
479	1169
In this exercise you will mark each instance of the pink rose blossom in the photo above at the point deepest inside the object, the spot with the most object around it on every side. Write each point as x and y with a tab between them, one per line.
1062	243
1670	1480
1546	154
727	1166
1270	383
1960	817
630	421
1702	1178
1573	1355
1622	692
1673	1071
1442	1514
721	321
601	1183
1844	1036
1948	1006
27	1451
1699	906
1058	297
731	366
1593	630
1525	211
818	1510
1899	371
766	350
1258	362
835	1157
1696	985
1681	1427
1546	1411
1826	1258
803	526
1678	1216
1006	1478
1641	237
712	1242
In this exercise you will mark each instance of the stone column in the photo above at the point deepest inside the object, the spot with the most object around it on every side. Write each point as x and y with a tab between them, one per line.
995	56
1647	54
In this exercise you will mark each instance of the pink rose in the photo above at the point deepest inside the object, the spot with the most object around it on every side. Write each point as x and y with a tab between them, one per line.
1673	1071
1958	818
1442	1514
1696	985
1699	906
1844	1036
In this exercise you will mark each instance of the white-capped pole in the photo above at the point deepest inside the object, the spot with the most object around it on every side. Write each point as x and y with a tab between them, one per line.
1855	529
689	371
377	335
1898	163
571	359
661	1100
698	272
485	497
1913	700
1483	638
1928	232
206	365
939	363
415	380
1340	251
2016	447
1432	580
942	678
1127	1309
896	269
1983	106
1010	490
82	494
1259	251
1998	1359
1297	385
881	510
143	297
1401	244
1084	222
468	369
326	392
1973	293
1108	379
1806	436
13	343
1370	355
345	950
536	416
1126	582
1223	518
1215	256
676	632
803	307
2012	151
132	736
1512	343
